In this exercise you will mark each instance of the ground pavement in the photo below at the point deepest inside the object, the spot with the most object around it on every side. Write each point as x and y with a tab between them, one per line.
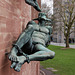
45	71
61	44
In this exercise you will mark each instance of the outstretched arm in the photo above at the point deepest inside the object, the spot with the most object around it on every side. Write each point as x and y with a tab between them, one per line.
34	4
30	2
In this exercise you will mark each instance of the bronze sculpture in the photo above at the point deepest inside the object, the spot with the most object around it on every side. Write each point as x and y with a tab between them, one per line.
34	4
31	44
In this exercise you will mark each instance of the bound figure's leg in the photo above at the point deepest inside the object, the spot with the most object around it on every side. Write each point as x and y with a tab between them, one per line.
41	54
22	40
22	59
34	4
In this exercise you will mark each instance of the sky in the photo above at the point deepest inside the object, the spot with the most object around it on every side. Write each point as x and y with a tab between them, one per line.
49	3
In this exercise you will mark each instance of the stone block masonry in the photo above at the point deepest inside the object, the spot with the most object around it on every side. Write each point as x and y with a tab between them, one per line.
14	15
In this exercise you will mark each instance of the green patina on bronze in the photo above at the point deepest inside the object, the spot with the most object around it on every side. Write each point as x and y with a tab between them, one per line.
31	44
34	4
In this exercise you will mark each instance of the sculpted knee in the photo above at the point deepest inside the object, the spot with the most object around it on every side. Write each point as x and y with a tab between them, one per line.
52	54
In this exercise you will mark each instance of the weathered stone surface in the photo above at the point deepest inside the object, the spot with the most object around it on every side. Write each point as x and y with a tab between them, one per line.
14	15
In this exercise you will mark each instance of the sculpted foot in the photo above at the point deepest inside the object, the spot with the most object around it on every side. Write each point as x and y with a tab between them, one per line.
21	60
18	67
13	65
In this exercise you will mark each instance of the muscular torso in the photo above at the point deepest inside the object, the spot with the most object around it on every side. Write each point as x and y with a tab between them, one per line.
40	34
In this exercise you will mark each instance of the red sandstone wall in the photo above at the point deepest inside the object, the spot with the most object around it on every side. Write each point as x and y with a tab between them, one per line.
34	11
14	15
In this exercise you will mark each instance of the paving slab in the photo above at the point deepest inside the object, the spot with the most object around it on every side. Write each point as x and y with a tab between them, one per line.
46	72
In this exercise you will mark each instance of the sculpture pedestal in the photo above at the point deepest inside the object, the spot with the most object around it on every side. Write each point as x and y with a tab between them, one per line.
33	68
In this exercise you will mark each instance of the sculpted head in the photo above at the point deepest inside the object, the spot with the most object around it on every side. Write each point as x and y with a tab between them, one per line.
42	17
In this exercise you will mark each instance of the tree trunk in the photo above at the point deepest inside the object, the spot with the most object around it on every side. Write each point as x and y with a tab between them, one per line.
67	41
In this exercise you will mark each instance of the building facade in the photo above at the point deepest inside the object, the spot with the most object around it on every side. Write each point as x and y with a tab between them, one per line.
58	35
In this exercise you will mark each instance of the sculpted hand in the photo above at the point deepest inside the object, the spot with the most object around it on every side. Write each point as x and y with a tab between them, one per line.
13	57
13	54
